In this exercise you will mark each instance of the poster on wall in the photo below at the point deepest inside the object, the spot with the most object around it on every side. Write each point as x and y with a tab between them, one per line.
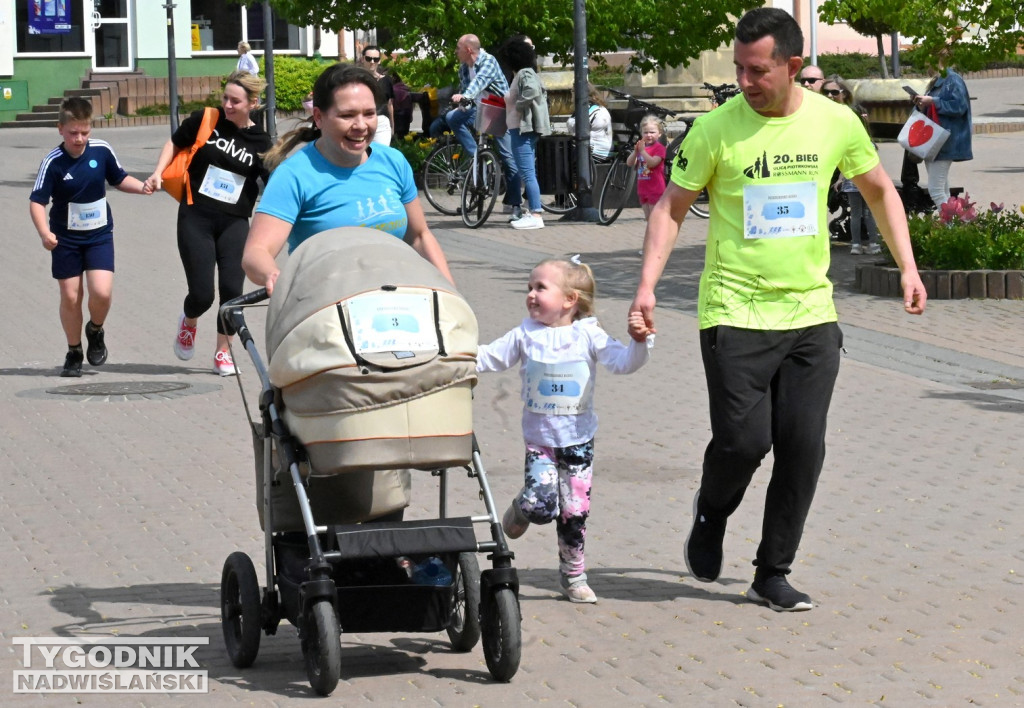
49	17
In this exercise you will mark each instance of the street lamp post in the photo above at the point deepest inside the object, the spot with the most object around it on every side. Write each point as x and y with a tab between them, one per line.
584	210
172	68
268	61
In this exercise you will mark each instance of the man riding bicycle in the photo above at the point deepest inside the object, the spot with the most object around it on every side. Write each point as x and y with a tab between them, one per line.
479	72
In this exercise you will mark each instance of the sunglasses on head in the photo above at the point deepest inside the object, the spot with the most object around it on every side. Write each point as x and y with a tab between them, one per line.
371	59
809	80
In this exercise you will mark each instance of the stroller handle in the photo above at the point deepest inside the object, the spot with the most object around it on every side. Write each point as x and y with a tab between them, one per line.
231	312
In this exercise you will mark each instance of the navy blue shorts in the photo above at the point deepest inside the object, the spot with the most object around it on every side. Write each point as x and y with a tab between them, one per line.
71	259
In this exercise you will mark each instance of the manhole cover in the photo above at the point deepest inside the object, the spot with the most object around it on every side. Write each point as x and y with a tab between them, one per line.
114	391
120	388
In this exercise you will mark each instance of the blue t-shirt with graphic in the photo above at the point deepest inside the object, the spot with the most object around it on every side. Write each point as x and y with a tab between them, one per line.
313	195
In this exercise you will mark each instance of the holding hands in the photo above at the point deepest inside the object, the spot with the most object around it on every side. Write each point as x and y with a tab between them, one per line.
637	327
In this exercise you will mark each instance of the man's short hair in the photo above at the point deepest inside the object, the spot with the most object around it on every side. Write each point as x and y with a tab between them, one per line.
371	48
779	24
74	108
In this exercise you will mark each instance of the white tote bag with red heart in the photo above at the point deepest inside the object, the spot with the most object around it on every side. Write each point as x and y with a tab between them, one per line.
922	136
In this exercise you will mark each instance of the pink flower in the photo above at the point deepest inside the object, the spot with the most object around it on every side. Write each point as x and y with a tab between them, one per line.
959	208
996	208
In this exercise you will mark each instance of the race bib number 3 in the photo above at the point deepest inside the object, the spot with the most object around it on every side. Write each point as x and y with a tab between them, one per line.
780	210
396	322
558	389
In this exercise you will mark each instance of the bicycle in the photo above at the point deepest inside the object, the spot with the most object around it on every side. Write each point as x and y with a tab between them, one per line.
619	183
444	171
719	94
483	178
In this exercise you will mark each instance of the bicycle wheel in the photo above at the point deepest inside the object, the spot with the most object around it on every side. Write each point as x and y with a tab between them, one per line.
443	174
559	203
618	185
702	207
480	189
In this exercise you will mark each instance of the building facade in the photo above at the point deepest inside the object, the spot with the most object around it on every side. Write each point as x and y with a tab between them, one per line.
50	46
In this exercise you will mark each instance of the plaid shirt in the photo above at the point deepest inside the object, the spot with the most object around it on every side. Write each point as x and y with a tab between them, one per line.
489	77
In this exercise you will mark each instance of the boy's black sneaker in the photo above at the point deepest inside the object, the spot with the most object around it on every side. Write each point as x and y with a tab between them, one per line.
776	592
72	363
703	549
96	353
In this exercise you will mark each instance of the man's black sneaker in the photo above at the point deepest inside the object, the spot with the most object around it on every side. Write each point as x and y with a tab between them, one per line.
96	352
72	364
776	592
703	549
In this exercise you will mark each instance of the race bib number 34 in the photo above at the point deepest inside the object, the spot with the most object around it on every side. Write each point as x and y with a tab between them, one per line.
558	389
780	210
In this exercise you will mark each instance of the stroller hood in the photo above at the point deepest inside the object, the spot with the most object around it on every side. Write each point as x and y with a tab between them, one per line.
374	353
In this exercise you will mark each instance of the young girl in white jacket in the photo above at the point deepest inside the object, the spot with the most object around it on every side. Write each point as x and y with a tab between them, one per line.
558	347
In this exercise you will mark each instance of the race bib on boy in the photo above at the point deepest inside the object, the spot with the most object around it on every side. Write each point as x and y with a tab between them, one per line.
222	185
87	217
558	389
780	210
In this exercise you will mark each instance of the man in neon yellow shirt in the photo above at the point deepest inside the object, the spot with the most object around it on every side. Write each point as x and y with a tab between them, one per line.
769	337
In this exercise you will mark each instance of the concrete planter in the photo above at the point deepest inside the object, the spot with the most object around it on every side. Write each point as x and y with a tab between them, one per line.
884	281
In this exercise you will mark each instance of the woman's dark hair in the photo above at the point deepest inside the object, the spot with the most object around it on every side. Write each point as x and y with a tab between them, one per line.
330	80
764	21
518	54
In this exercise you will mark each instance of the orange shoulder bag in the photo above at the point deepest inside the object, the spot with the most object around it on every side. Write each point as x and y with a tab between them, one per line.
175	175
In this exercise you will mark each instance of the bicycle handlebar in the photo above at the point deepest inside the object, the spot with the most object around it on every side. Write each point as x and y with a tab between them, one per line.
633	101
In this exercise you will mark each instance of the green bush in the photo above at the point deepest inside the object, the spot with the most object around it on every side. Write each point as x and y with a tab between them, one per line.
415	147
992	240
857	65
293	79
420	73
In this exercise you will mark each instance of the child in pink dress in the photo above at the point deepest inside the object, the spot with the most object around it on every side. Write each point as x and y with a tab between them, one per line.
648	157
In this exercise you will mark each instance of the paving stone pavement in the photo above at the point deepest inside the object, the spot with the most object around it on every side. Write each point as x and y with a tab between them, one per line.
120	510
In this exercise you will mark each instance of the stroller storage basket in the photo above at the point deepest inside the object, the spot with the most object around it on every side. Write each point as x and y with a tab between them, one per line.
374	353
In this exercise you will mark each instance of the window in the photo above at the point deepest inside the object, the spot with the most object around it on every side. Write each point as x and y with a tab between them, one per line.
223	25
72	41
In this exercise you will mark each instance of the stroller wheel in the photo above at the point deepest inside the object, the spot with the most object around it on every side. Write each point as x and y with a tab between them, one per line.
501	626
464	624
321	647
240	609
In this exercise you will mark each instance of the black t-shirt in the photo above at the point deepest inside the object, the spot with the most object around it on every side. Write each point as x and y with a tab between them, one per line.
223	172
387	92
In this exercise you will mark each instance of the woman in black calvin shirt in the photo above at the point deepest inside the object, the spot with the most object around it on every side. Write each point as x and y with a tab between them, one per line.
212	230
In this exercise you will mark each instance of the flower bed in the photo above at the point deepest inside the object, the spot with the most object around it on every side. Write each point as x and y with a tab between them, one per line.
960	253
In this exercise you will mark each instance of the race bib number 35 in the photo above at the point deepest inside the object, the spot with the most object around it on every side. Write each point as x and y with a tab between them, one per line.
780	210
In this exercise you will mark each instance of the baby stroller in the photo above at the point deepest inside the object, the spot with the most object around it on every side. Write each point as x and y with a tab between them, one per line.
371	366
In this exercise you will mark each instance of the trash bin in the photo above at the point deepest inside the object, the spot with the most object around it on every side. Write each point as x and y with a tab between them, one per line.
556	164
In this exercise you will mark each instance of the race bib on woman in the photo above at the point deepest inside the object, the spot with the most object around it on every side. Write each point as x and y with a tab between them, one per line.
222	185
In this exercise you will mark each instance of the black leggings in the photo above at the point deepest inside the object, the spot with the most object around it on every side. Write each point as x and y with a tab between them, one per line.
208	238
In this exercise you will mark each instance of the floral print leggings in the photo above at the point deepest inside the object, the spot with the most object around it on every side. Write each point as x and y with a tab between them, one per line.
557	489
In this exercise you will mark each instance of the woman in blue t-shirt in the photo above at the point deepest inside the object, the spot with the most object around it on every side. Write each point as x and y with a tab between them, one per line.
337	179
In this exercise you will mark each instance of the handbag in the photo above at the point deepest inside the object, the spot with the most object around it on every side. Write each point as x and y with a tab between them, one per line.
175	175
922	136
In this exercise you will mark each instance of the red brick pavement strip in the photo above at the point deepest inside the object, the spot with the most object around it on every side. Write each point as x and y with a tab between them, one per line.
118	515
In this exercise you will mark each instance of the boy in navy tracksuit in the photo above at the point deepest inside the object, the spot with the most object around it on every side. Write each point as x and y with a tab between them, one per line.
80	231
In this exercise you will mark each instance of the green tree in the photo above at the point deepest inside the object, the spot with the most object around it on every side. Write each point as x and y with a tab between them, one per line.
661	32
963	33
